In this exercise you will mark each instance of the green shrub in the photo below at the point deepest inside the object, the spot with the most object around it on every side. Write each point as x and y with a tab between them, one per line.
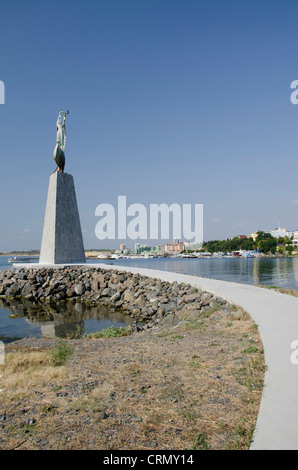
111	332
61	354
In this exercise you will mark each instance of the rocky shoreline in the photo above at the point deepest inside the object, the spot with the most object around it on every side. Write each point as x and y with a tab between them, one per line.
146	300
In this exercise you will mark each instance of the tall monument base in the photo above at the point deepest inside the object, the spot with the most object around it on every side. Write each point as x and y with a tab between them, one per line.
62	240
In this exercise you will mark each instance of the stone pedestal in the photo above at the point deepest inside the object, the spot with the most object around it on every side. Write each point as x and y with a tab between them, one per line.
62	240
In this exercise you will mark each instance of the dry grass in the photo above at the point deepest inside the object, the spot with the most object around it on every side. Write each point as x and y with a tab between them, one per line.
197	386
26	369
282	290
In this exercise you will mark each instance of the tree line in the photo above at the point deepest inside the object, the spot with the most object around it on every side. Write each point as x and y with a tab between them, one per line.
264	243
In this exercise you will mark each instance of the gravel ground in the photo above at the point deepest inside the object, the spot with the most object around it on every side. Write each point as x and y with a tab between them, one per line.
194	385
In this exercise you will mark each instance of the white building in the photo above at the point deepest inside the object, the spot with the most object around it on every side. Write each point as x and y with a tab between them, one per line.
280	232
295	239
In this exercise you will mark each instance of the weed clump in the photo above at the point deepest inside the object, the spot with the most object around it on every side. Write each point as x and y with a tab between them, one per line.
111	332
61	354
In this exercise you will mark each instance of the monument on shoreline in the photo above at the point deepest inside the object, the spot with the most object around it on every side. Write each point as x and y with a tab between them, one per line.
62	241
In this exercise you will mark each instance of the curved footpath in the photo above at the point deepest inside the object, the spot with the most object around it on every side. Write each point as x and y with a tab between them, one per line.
276	315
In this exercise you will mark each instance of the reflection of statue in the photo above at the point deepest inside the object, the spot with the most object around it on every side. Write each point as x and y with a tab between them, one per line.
59	155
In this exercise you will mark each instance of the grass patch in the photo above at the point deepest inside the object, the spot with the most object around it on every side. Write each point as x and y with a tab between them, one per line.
61	354
238	314
173	392
26	370
250	350
171	334
197	325
111	332
251	375
194	362
201	442
243	436
282	290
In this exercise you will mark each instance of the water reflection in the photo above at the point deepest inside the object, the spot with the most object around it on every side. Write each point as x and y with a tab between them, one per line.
281	272
24	319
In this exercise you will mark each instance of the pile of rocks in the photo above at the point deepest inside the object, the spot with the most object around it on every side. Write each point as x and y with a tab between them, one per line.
143	298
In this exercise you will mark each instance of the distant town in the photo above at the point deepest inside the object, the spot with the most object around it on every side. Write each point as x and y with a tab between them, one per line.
276	242
260	243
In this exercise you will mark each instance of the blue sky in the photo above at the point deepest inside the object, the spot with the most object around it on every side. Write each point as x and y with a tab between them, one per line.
170	102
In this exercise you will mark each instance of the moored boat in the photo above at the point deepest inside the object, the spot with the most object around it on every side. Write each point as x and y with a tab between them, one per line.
22	259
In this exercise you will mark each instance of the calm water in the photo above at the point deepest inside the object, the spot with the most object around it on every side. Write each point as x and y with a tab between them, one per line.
282	272
19	319
25	319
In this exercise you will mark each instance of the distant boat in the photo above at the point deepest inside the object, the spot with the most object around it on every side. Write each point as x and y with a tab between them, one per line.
102	256
22	259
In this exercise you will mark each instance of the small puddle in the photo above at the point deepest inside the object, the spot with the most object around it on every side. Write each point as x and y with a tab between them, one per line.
24	319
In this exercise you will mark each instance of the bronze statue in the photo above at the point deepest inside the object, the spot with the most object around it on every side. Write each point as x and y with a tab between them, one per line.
59	155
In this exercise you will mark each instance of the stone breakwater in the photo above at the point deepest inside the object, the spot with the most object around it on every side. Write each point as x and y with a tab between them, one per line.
149	302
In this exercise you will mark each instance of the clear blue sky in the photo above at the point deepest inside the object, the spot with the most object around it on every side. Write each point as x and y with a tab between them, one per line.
170	101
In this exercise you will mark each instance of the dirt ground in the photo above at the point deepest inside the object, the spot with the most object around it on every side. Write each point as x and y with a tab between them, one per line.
196	386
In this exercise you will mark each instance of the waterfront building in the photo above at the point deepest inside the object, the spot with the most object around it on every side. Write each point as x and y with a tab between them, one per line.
280	232
146	249
192	246
276	233
295	238
173	248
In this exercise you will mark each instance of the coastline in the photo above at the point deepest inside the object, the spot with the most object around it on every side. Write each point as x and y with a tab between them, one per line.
90	256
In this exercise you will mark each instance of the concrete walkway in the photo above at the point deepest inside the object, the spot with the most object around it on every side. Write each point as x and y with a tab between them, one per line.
276	315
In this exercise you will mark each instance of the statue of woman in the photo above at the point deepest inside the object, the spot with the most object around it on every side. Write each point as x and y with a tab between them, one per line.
59	155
